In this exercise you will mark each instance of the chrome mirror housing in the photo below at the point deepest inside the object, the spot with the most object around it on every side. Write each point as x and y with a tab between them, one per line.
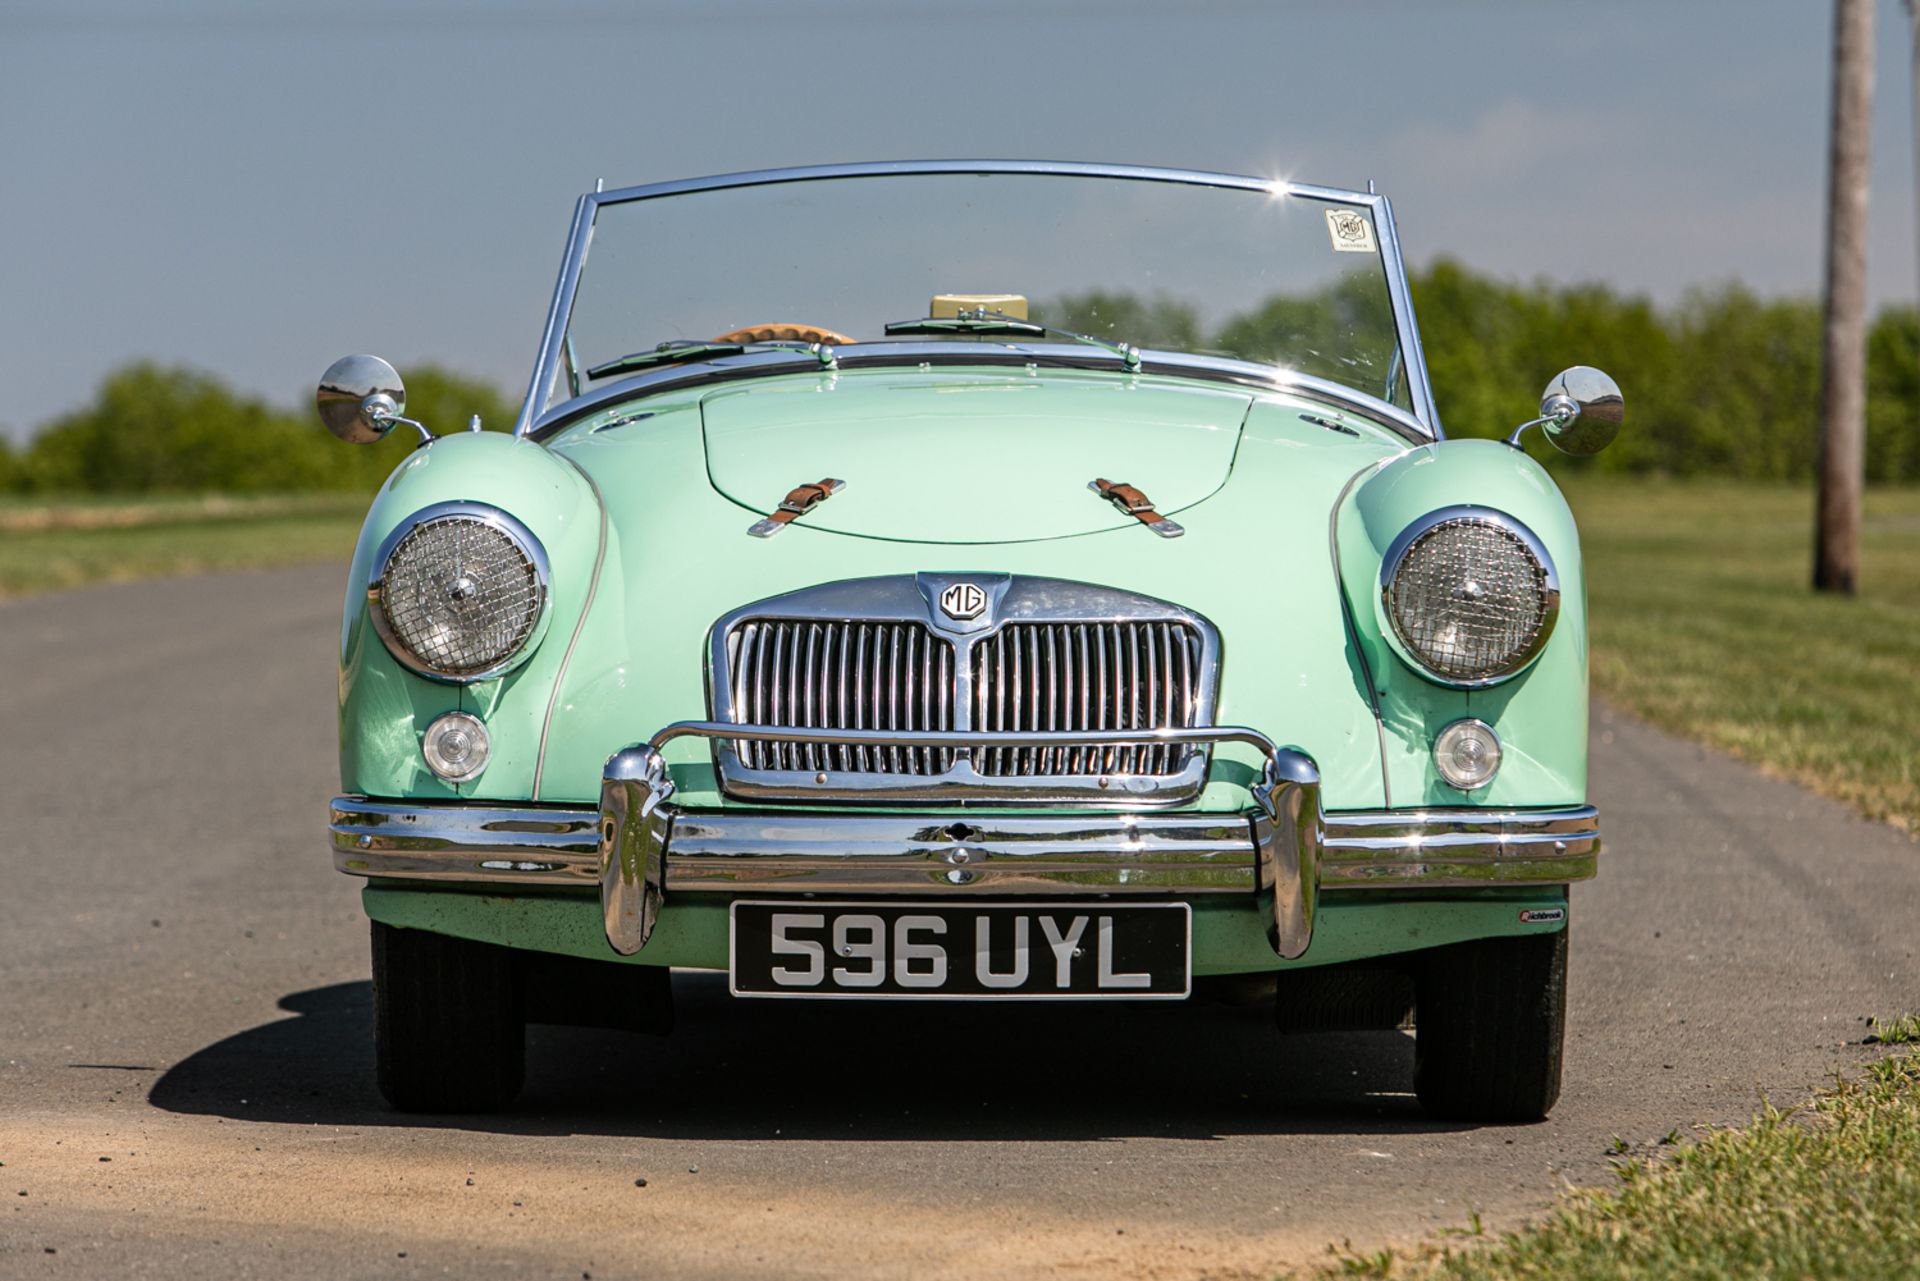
1581	409
361	399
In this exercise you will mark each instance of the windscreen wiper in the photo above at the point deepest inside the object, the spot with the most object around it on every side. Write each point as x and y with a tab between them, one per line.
687	349
983	321
665	353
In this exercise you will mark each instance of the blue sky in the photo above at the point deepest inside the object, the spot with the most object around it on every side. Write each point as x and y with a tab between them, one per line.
257	188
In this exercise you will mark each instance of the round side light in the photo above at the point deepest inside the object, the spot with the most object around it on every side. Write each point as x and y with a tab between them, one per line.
1467	754
456	747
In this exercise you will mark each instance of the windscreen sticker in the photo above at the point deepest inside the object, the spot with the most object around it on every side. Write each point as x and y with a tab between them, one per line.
1352	233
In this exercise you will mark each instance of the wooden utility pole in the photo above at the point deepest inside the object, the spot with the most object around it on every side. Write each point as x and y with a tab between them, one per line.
1843	375
1913	24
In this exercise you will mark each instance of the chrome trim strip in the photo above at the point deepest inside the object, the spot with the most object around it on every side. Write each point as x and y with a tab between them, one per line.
560	310
1397	551
1352	624
579	625
486	514
1400	293
904	355
904	598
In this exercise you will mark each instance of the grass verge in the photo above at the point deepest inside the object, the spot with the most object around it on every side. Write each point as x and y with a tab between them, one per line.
1827	1189
45	546
1703	623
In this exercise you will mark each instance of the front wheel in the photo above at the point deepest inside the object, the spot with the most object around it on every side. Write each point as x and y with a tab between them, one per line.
1490	1021
449	1034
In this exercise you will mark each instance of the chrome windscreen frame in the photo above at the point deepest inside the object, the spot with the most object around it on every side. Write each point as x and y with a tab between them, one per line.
1403	543
552	363
484	513
1016	599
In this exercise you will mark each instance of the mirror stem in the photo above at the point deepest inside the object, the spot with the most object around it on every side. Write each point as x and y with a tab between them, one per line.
1556	409
387	419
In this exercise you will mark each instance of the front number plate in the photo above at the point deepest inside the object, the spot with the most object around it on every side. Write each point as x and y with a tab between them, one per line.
980	951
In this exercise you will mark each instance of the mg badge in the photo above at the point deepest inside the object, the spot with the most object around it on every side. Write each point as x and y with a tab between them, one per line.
962	601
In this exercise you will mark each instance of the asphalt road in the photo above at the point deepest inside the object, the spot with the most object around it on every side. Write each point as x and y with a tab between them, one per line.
185	1084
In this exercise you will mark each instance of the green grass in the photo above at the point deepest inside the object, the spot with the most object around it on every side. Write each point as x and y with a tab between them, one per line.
44	546
1828	1189
1703	623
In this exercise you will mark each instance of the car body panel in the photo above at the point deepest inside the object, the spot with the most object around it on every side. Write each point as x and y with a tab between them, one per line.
980	456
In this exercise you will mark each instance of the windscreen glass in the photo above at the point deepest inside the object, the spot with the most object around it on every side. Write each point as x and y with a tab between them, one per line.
1006	259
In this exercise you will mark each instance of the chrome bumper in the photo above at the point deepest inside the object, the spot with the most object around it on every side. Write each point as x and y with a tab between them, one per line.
636	848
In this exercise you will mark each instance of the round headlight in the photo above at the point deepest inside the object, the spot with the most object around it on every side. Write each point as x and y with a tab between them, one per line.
461	591
1470	594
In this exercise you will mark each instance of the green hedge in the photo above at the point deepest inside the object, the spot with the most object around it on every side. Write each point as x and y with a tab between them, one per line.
1723	383
160	429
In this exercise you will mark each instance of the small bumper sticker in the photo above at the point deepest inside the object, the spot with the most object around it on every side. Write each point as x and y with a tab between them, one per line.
1542	915
1352	233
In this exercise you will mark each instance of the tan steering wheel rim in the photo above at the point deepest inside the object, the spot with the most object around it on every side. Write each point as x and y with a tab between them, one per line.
785	333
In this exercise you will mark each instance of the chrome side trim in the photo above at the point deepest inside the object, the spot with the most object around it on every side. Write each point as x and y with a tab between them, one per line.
1353	630
560	309
579	626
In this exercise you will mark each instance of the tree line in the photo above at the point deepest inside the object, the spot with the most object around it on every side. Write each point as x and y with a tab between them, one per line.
167	429
1723	383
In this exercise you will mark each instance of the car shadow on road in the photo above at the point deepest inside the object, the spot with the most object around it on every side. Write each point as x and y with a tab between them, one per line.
738	1069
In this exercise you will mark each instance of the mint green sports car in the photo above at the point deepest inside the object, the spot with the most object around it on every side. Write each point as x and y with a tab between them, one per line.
999	581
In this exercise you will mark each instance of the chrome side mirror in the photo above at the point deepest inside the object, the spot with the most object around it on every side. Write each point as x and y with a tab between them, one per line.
361	399
1581	410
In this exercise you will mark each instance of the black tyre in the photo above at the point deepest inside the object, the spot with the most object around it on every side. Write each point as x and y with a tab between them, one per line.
448	1029
1490	1020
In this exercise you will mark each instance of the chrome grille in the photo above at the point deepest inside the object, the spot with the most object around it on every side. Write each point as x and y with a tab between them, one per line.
841	675
1043	656
1096	676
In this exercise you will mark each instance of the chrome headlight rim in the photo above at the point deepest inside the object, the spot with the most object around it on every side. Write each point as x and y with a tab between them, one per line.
517	533
1411	536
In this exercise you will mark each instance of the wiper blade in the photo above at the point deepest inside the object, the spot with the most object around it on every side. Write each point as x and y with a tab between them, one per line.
685	349
982	321
665	353
967	323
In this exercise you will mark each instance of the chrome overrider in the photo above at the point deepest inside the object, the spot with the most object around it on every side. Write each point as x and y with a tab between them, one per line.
637	848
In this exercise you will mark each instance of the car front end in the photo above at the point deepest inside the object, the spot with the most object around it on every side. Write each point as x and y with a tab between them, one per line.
957	661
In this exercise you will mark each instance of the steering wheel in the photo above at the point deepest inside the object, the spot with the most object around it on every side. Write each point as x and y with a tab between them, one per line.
785	333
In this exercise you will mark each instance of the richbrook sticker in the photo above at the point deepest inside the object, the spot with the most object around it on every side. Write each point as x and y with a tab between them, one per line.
1542	915
1351	232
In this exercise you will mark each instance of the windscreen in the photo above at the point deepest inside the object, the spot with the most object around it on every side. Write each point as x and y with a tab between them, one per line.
1278	279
